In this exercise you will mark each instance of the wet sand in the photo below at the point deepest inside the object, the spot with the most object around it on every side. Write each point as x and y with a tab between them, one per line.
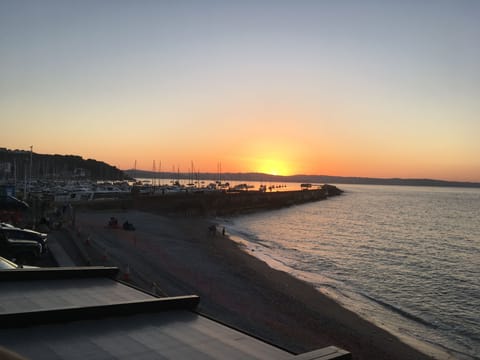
179	256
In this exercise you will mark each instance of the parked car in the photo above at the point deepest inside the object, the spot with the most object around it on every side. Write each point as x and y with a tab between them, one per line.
6	264
20	251
16	233
3	224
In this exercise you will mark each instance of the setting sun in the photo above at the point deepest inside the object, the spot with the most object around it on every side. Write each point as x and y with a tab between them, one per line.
273	167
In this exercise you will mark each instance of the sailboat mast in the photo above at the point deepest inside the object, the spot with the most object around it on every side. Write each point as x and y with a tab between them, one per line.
160	171
154	168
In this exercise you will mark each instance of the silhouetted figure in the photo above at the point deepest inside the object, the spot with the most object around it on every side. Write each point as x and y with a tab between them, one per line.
212	229
113	223
128	226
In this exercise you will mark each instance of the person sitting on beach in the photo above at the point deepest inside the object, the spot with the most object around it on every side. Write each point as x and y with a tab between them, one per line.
128	226
113	222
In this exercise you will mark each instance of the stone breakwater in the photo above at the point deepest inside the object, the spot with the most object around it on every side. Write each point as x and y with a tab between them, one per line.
218	203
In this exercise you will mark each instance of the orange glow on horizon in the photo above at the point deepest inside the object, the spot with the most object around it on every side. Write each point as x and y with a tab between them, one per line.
273	167
276	155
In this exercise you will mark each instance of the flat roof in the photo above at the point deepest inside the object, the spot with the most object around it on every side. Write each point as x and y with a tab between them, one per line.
26	296
176	334
86	314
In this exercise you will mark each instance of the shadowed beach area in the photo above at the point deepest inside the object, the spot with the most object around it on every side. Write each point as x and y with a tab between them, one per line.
178	256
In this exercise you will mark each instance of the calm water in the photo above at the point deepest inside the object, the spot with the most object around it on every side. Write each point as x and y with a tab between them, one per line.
407	258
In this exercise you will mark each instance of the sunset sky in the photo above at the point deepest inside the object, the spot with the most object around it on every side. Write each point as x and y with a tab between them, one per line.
349	88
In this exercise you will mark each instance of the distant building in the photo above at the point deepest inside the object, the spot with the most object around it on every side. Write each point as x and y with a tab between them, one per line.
79	173
6	170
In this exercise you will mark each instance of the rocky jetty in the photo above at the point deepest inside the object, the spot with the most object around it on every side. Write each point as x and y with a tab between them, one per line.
218	203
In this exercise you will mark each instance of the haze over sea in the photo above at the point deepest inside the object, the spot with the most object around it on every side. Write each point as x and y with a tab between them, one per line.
406	258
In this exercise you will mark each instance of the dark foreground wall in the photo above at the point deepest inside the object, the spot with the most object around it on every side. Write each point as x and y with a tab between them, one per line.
217	203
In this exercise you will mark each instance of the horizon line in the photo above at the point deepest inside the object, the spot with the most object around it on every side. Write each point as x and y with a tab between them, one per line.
477	183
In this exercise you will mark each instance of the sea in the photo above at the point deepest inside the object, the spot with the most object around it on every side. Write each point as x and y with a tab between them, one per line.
404	258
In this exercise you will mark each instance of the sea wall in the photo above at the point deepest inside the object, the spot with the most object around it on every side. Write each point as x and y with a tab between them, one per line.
217	203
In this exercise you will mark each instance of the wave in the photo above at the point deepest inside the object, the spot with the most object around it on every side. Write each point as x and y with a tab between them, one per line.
401	312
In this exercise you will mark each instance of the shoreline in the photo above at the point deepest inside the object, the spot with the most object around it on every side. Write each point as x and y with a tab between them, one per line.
304	288
432	350
179	256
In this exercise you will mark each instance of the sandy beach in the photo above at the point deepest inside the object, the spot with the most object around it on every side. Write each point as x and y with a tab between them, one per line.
179	256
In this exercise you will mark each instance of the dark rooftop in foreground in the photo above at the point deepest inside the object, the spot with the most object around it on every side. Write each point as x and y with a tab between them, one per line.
84	313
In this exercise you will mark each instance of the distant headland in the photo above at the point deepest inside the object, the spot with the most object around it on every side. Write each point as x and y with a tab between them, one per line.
315	179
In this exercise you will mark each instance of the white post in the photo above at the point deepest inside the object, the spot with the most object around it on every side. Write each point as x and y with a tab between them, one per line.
30	180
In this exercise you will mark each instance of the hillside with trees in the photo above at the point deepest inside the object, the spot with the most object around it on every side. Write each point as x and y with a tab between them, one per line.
22	164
